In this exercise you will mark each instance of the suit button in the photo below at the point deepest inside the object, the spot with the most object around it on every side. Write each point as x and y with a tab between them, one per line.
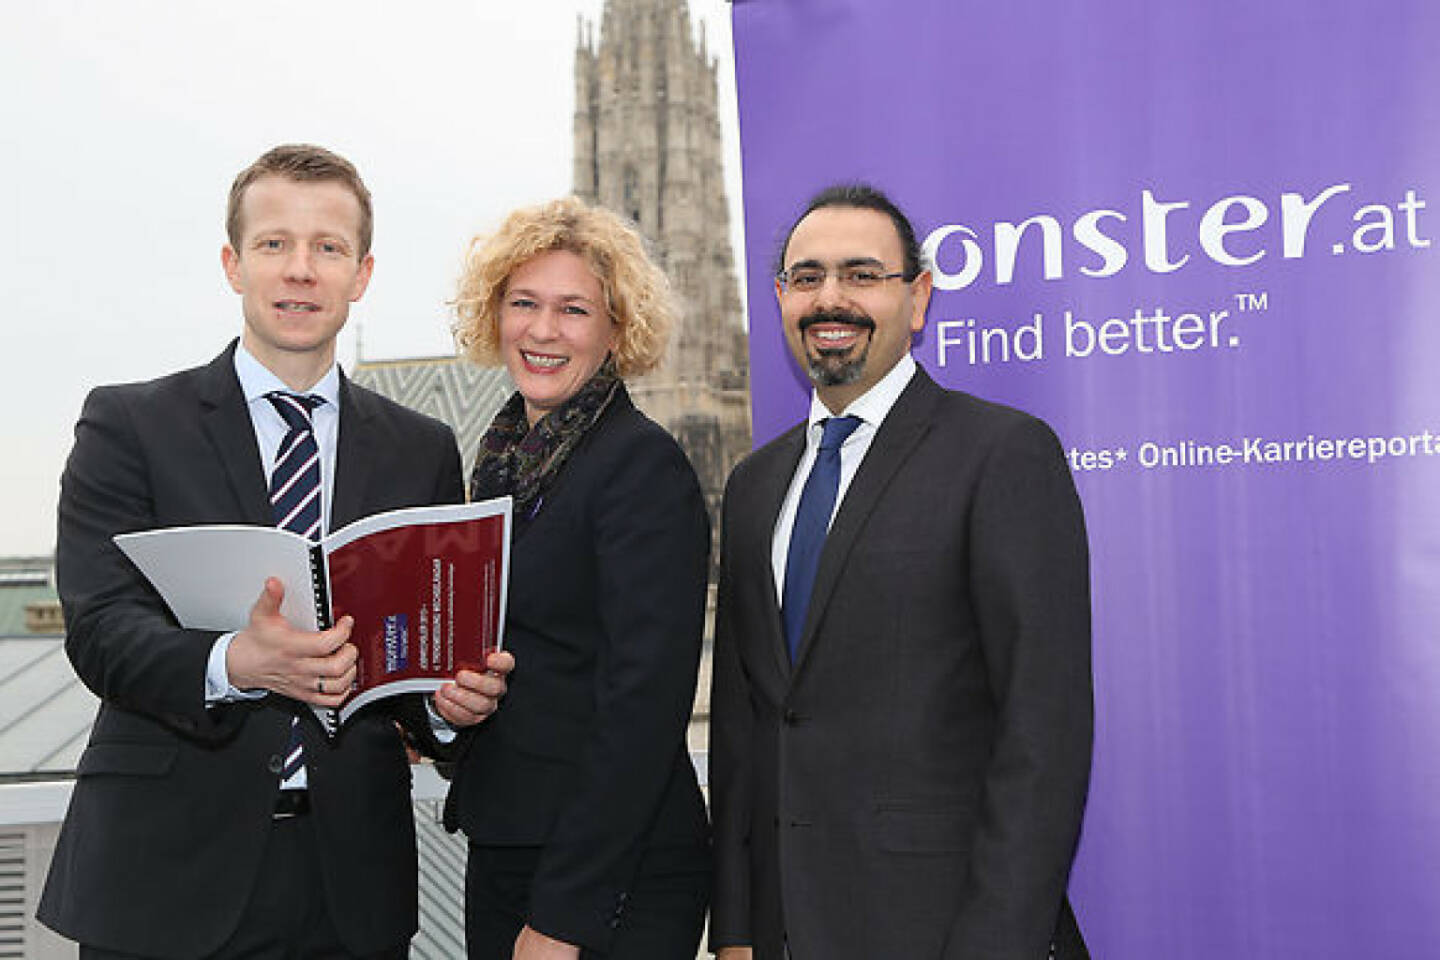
275	764
792	719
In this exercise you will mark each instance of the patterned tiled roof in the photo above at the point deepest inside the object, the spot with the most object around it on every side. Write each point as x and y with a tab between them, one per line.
451	389
442	887
45	711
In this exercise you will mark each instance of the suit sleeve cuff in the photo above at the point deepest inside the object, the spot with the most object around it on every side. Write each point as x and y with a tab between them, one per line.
218	688
439	726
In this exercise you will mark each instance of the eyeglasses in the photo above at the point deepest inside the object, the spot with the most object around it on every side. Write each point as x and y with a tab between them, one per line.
809	279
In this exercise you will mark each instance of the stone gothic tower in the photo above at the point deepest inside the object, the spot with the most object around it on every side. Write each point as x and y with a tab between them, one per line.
647	145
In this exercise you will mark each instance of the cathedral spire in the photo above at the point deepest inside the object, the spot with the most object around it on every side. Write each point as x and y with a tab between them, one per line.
647	145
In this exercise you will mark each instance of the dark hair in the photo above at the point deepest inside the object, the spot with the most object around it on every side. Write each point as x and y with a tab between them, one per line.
303	163
864	197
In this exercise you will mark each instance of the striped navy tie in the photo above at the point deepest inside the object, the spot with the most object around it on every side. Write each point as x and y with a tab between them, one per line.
295	498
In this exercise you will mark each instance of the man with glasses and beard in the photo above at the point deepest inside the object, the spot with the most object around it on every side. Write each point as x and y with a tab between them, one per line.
901	713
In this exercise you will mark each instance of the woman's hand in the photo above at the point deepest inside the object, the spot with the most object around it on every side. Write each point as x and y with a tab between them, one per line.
533	945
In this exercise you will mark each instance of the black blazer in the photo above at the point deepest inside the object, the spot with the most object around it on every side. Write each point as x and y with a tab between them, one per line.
172	805
913	786
586	755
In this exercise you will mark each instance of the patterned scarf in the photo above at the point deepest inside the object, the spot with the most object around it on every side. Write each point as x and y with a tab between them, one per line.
522	461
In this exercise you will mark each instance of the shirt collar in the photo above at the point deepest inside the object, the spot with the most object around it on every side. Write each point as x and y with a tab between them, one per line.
874	404
256	380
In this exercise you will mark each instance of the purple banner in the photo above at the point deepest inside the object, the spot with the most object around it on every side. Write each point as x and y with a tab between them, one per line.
1198	240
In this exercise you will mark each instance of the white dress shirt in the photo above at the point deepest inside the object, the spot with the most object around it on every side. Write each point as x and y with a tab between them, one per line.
871	407
270	429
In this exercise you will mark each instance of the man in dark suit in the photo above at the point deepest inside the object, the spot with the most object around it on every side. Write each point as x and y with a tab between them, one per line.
901	711
211	817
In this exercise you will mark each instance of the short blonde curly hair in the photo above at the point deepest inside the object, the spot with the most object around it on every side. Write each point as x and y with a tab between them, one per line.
637	293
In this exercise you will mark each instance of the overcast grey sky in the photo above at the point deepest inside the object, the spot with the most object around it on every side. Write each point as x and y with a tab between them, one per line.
124	121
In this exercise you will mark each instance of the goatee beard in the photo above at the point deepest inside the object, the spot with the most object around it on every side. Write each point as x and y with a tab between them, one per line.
829	370
832	367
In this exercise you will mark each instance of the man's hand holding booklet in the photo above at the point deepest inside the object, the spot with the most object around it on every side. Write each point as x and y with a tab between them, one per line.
425	586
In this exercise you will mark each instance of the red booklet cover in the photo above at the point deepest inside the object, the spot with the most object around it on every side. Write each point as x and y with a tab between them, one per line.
426	587
428	598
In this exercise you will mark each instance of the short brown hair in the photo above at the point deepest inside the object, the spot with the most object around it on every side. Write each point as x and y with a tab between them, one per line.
303	163
637	293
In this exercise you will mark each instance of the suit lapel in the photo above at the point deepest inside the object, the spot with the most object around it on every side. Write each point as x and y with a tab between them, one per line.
354	454
769	496
906	423
226	422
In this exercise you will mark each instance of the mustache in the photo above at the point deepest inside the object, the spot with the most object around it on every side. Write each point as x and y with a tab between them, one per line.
836	316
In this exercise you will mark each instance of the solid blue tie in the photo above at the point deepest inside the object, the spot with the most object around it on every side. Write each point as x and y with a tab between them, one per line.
295	498
812	522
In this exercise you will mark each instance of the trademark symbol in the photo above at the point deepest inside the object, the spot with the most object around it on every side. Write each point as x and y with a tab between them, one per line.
1252	302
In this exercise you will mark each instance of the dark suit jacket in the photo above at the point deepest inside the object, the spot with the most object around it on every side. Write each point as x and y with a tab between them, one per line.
172	805
586	755
913	786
